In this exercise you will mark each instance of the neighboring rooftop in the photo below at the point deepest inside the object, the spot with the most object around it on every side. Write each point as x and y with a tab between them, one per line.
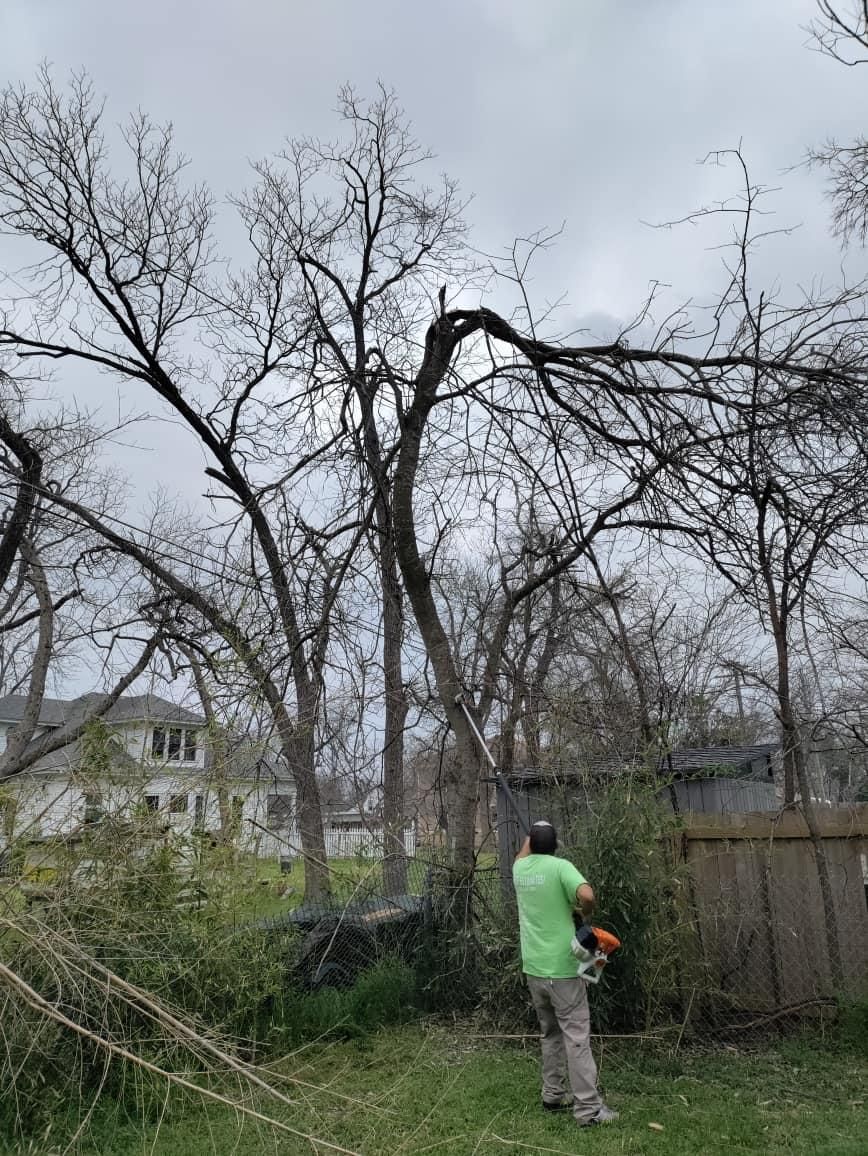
245	761
70	758
56	712
747	760
692	759
245	758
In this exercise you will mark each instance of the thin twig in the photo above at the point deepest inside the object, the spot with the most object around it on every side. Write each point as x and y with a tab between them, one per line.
684	1021
531	1147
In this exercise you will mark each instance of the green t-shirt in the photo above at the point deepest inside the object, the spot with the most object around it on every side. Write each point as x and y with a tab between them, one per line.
545	888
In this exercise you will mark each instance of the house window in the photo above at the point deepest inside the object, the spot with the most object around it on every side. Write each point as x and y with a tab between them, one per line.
175	744
93	808
158	743
199	812
152	802
178	805
278	811
189	746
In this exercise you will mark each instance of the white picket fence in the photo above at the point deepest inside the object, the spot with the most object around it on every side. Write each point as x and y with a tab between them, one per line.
368	844
338	844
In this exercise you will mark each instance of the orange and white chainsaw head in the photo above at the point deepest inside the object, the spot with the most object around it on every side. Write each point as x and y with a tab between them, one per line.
594	954
606	941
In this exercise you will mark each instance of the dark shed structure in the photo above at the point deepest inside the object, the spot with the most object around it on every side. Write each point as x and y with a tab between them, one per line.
709	780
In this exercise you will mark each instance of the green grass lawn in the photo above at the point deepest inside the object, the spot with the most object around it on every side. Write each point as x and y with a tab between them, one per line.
261	890
249	888
421	1089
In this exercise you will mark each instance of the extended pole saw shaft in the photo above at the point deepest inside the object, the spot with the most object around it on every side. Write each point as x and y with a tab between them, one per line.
500	780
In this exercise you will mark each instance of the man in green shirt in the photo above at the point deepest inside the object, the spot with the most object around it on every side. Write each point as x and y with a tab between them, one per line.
548	890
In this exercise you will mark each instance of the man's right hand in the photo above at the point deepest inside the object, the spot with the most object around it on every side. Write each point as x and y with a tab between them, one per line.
585	899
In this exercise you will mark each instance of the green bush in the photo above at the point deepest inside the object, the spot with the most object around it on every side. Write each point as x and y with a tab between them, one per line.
234	983
464	940
623	844
385	994
851	1027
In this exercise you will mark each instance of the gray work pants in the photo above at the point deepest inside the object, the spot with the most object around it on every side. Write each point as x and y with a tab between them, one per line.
565	1024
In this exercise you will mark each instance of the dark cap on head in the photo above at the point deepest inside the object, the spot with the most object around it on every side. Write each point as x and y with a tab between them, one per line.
543	838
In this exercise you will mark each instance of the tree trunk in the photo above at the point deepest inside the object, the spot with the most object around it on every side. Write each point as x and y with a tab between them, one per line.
795	755
297	747
394	818
462	826
790	739
17	523
507	741
796	773
440	345
533	703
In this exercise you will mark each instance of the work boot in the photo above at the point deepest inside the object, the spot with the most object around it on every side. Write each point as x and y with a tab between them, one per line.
604	1115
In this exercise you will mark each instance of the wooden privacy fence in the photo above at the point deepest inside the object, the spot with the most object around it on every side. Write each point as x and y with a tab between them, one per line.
761	931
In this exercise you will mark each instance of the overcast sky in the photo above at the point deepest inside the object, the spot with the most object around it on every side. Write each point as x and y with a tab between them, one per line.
588	112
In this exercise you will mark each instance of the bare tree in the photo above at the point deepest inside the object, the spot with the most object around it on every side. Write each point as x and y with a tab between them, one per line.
368	242
328	344
124	285
779	504
40	625
17	519
841	30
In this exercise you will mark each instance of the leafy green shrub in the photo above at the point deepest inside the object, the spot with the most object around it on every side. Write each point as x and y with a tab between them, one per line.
623	845
622	842
132	913
851	1028
462	936
501	995
385	994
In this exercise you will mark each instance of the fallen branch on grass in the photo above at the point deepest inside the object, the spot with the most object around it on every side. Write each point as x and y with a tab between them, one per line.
594	1035
495	1139
142	1002
34	1000
769	1017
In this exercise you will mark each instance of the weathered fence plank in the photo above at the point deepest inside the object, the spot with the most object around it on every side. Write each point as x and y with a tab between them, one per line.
764	937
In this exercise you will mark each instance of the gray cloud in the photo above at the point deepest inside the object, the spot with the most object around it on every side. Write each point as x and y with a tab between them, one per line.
580	111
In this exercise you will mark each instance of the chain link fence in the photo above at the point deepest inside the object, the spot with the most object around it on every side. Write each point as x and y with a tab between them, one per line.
725	932
730	938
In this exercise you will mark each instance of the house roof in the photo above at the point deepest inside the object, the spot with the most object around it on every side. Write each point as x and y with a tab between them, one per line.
687	761
68	759
56	712
698	758
246	760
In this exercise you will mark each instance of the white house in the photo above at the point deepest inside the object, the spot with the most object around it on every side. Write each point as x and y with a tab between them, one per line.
152	755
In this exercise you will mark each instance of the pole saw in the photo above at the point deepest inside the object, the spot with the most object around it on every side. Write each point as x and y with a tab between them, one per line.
591	946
